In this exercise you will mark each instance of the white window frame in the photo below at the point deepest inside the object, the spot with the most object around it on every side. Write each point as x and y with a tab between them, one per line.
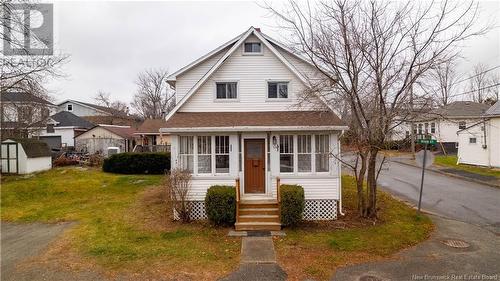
310	153
193	154
237	99
327	153
198	154
214	167
293	153
252	53
277	98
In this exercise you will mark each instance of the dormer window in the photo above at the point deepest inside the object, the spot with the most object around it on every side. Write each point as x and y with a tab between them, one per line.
253	48
69	107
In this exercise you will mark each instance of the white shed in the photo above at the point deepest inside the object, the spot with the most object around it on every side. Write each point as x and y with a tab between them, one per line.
24	156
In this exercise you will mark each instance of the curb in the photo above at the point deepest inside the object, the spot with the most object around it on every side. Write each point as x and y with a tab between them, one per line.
450	174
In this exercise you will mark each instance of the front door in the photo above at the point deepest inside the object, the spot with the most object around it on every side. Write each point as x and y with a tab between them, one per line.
255	166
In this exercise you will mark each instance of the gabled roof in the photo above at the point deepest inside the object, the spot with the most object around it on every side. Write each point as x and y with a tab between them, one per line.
151	126
125	132
217	65
461	109
494	110
103	109
23	97
68	119
32	147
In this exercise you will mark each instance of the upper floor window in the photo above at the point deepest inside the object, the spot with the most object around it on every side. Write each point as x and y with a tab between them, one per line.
461	125
433	128
472	140
69	107
277	90
227	90
253	47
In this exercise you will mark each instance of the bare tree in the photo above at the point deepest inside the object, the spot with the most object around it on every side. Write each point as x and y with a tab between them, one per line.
104	99
445	78
371	54
478	82
153	98
178	184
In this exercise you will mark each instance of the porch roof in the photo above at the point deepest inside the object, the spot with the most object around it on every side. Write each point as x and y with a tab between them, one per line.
261	120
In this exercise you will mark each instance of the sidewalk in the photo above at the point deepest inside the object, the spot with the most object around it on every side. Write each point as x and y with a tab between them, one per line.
447	171
258	261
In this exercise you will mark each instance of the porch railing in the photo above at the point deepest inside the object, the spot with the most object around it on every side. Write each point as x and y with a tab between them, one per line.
237	200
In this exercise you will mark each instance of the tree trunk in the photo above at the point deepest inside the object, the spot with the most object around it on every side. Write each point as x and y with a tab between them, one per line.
359	185
371	183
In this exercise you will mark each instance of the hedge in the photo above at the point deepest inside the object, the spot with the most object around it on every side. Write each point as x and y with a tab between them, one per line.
220	204
292	204
137	163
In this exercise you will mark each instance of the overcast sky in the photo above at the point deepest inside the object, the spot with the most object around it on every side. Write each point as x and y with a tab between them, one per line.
111	42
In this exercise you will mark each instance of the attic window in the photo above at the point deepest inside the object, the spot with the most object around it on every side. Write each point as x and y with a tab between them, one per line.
50	128
253	47
69	107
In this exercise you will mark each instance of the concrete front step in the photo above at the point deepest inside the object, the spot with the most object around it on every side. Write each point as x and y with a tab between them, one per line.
259	218
259	211
257	226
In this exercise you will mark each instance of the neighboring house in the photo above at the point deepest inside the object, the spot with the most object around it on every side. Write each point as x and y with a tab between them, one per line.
20	111
101	137
61	129
479	144
237	119
84	109
149	138
24	156
443	123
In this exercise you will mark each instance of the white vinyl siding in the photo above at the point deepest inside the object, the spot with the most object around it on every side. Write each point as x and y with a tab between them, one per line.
252	74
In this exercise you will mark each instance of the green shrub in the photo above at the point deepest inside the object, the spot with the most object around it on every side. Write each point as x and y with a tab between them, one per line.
292	204
220	204
137	163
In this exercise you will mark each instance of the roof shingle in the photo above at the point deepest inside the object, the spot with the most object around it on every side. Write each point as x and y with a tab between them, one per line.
261	119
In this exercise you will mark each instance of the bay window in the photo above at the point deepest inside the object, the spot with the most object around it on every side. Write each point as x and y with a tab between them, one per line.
186	153
322	145
304	153
204	154
222	154
286	154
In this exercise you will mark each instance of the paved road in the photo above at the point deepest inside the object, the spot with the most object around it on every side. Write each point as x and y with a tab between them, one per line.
447	196
433	260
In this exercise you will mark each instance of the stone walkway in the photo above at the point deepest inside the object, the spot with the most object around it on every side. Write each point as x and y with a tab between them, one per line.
258	261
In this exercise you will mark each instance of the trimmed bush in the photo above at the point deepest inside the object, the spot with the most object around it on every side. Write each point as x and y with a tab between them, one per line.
137	163
292	204
220	204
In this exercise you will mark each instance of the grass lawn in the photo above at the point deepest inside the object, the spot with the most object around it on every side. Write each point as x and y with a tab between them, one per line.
451	161
123	224
315	250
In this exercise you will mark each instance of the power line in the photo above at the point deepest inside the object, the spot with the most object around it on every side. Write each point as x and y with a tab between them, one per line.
473	76
474	90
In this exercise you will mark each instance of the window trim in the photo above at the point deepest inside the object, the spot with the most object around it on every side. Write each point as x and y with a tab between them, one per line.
475	140
316	153
310	153
331	168
464	127
214	167
204	154
294	154
252	53
194	154
237	99
278	99
67	107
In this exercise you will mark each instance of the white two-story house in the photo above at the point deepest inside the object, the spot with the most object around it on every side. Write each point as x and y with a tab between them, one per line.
237	122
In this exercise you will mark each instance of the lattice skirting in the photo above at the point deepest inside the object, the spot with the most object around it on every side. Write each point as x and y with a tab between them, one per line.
197	211
320	210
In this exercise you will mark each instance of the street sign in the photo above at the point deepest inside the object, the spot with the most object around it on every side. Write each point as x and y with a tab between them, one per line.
427	141
429	158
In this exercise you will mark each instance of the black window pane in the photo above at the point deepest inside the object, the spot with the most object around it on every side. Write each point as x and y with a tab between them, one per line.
231	91
286	163
221	90
256	47
283	90
248	47
272	90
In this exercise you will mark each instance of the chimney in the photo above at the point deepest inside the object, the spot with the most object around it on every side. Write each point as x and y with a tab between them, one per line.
258	29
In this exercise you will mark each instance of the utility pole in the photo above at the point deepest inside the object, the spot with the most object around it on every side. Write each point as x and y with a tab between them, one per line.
412	124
